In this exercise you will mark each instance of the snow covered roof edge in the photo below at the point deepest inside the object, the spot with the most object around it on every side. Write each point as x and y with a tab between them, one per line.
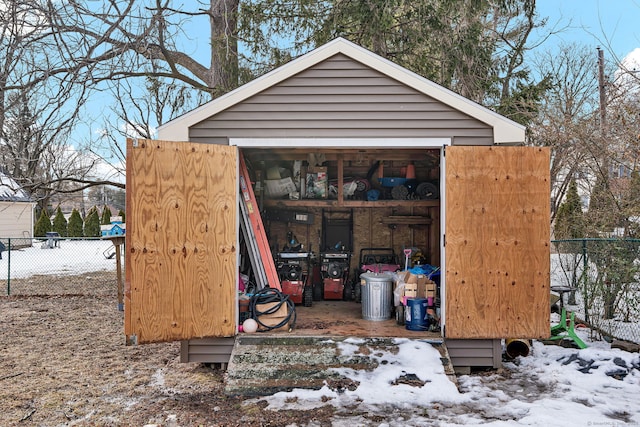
10	191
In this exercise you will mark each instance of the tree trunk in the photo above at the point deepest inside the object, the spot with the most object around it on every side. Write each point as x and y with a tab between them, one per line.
224	46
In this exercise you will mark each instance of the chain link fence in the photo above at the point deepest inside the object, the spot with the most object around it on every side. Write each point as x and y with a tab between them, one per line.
58	266
604	275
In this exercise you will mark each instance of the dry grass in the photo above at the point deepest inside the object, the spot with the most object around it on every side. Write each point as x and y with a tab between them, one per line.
64	362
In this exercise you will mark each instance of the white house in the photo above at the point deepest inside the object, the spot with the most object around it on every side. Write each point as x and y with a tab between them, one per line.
16	213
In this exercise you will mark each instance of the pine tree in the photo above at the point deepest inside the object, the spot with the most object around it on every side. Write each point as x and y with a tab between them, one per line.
121	214
43	225
60	223
75	225
94	208
92	224
105	219
603	214
570	218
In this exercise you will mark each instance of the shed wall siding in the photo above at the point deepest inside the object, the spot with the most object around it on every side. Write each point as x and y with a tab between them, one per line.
15	219
206	350
462	353
341	98
475	353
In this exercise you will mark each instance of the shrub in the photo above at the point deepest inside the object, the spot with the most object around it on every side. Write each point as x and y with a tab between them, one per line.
92	224
60	223
105	219
43	225
75	225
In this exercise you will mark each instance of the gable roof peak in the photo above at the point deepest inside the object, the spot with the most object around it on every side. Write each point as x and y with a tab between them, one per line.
505	130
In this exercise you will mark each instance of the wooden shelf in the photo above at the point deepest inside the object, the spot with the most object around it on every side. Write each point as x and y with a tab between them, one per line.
343	163
406	220
349	203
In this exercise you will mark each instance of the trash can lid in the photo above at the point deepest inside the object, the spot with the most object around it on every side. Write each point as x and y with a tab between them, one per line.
377	277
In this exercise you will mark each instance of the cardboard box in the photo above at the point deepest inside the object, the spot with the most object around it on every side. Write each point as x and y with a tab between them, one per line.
415	285
414	290
316	183
418	290
418	278
403	276
272	319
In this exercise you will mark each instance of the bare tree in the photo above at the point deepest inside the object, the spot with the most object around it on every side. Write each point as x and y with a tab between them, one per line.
567	120
39	100
127	38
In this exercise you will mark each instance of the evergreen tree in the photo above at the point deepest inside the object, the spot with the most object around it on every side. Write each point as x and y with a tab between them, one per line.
604	213
121	214
74	228
94	208
570	219
570	224
92	224
60	223
43	225
106	216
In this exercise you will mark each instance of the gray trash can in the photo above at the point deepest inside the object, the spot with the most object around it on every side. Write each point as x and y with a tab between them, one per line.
377	295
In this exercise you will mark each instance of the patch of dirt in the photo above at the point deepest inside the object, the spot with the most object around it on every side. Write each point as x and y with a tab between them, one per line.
409	379
64	362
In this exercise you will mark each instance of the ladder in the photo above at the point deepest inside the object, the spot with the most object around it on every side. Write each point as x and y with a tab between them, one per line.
255	236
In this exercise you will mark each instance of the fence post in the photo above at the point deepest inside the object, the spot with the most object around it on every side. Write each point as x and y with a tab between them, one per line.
9	267
585	264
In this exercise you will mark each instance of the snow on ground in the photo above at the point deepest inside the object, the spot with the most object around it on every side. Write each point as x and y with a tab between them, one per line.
552	386
71	257
566	268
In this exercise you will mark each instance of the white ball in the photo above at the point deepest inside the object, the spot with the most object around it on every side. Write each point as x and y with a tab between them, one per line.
250	326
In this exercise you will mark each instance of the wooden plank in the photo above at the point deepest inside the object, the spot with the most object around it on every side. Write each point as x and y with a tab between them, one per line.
381	235
368	155
252	247
181	239
257	226
282	203
406	220
119	277
497	242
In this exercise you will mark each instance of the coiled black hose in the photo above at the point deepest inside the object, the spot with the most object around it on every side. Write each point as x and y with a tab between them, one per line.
272	295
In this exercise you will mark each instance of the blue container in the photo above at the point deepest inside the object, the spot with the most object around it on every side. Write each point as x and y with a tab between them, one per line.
391	182
416	314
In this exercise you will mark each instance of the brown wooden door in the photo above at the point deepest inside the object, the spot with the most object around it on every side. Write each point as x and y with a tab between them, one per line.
497	237
181	266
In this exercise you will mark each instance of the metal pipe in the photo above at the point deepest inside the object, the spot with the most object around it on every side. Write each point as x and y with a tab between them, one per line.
517	347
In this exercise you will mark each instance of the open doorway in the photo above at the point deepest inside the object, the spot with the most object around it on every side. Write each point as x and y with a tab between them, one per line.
347	212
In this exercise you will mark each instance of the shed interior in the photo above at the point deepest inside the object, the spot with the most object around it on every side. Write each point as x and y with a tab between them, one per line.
376	204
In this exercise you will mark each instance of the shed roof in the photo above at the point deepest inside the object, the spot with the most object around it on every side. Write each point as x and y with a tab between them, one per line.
505	130
10	191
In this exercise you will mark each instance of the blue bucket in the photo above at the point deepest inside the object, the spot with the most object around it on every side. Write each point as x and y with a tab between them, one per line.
416	314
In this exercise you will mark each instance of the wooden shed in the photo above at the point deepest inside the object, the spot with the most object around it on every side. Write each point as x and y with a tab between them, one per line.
16	213
355	114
